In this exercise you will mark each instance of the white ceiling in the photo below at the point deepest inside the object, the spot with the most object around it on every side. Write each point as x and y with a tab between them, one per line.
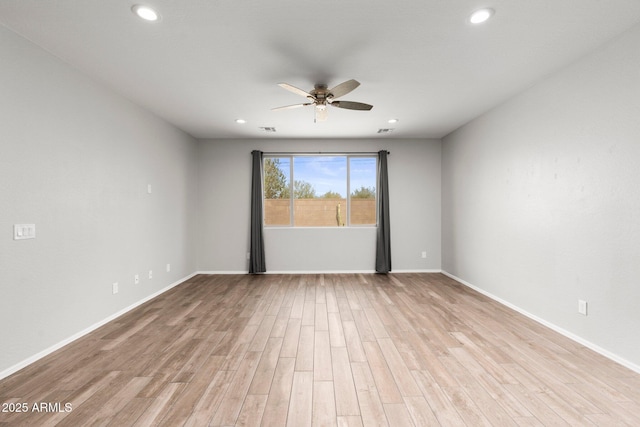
208	62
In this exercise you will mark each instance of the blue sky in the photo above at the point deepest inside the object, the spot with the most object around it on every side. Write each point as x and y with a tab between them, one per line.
329	173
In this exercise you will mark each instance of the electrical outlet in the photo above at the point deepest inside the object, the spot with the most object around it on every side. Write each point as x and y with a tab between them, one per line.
248	255
136	279
168	268
150	274
114	288
582	307
424	254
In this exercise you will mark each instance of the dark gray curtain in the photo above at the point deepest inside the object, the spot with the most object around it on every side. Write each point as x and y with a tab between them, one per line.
383	239
256	252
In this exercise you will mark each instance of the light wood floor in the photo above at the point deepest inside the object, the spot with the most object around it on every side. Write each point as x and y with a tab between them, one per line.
347	350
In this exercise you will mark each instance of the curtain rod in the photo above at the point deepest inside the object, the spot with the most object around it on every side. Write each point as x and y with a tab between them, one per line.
337	153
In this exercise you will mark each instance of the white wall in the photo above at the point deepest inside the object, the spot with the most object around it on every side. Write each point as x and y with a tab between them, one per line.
224	202
541	199
75	160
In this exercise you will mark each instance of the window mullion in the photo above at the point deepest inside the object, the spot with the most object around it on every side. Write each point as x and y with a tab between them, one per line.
291	193
348	191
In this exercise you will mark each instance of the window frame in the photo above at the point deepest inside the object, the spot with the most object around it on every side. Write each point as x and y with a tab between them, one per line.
348	157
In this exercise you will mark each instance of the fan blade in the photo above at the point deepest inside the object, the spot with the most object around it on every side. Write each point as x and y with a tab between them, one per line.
288	107
321	115
294	90
344	88
350	105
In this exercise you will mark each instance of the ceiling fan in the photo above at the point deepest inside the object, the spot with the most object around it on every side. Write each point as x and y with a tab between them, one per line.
320	97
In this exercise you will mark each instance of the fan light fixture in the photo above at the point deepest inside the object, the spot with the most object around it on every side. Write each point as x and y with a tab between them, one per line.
392	121
481	15
241	121
320	96
145	12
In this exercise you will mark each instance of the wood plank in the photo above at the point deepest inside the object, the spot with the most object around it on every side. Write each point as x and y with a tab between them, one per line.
336	332
420	411
466	407
279	327
350	421
398	414
160	404
304	358
541	411
322	365
309	313
128	415
291	339
385	383
262	334
208	404
353	341
444	410
376	325
192	394
401	374
364	328
301	403
345	391
231	404
261	382
321	321
324	404
331	298
115	404
252	410
277	407
368	398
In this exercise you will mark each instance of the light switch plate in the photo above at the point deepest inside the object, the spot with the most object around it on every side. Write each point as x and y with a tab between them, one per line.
582	307
24	231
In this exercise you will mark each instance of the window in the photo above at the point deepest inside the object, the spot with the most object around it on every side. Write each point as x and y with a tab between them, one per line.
319	191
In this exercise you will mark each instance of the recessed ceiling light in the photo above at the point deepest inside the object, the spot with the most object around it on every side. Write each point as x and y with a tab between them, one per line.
393	120
145	12
481	15
241	121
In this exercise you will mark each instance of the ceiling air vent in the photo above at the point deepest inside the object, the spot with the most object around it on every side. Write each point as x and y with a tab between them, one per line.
385	130
268	129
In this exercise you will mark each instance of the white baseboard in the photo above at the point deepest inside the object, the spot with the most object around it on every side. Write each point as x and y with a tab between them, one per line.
320	271
28	361
293	272
222	272
417	271
606	353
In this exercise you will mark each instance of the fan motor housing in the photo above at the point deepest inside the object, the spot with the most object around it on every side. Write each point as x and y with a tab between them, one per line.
320	92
